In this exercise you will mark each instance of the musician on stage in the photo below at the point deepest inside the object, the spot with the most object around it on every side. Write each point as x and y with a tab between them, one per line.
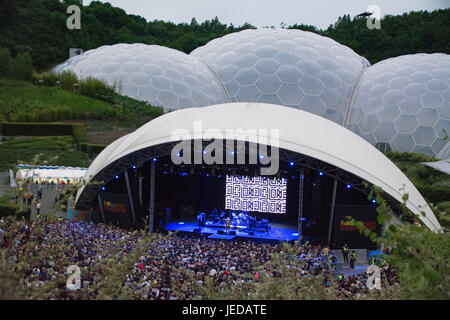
227	224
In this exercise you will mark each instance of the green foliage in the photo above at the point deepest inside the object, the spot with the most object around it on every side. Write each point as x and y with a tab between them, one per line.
23	67
420	256
68	80
96	89
38	129
421	261
91	149
51	150
24	102
5	63
8	208
103	24
431	183
50	79
408	157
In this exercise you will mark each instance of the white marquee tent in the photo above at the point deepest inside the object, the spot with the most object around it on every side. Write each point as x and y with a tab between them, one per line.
58	174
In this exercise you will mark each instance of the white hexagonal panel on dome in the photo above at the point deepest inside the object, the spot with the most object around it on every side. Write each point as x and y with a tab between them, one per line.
159	75
402	101
405	101
287	67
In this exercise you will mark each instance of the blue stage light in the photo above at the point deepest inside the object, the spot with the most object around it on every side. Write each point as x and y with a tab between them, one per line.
219	176
117	177
302	177
134	167
374	201
181	222
320	173
295	234
204	151
291	163
154	159
103	188
165	172
349	186
207	174
261	156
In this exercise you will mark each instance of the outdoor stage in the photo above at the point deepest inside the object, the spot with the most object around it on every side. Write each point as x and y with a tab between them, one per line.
278	232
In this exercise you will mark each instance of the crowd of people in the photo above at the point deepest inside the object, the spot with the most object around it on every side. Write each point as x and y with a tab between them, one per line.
171	267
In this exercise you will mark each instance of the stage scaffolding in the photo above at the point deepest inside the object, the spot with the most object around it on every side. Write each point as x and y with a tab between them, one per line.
155	153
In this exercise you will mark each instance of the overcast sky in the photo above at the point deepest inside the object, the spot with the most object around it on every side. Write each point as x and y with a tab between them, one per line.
320	13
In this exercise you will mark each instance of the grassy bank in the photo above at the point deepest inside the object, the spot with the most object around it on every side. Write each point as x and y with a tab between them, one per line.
22	101
53	150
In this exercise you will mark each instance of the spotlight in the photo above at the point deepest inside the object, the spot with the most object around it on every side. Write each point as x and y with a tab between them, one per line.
320	173
154	159
302	177
207	174
291	163
349	186
374	201
117	177
134	167
261	156
103	188
232	153
164	172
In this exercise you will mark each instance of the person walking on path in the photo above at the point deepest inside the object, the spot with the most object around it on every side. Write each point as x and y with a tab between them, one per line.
38	208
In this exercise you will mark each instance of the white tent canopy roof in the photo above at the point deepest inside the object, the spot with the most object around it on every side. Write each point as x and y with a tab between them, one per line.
299	131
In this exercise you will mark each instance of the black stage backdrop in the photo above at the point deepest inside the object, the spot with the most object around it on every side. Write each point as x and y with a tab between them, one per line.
117	209
345	232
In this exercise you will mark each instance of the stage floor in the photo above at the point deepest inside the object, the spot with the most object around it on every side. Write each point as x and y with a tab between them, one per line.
278	232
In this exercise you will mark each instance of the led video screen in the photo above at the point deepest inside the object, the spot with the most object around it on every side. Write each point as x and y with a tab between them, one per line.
256	194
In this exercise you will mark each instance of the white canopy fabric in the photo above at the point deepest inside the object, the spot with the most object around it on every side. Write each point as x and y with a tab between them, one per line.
299	131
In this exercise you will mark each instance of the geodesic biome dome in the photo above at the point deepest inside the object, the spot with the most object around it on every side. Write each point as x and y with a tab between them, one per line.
287	67
405	102
161	76
402	102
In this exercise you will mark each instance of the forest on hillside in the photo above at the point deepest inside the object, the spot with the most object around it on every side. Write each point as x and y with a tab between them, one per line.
39	27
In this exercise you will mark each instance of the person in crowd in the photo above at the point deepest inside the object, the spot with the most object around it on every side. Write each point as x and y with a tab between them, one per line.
169	268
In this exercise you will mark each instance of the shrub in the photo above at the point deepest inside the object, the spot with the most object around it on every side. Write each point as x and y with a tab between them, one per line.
5	62
50	79
434	194
97	89
23	67
67	80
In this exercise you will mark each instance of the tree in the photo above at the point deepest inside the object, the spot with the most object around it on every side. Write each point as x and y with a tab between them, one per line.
5	62
23	67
